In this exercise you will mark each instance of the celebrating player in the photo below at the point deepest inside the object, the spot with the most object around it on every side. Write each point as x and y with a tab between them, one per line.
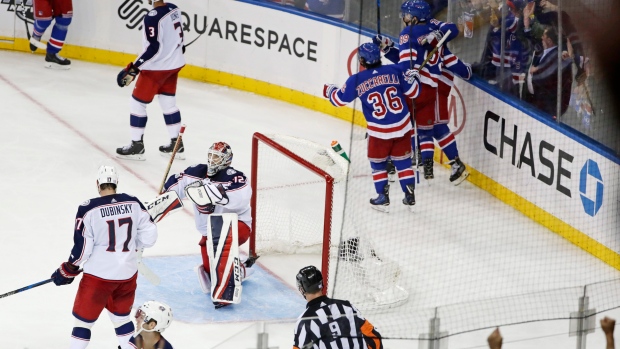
158	66
152	318
420	35
383	91
108	231
327	320
225	190
61	11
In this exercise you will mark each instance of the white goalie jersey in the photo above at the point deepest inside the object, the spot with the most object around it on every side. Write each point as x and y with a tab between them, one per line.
235	198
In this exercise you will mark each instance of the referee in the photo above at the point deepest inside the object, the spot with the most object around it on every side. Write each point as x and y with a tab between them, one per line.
330	323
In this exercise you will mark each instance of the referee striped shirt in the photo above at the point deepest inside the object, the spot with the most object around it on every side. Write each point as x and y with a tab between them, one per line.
334	324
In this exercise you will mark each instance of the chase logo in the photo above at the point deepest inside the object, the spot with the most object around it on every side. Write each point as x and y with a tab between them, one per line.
591	193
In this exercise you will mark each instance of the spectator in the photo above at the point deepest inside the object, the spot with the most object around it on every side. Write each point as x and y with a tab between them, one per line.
495	339
327	320
543	76
608	324
331	8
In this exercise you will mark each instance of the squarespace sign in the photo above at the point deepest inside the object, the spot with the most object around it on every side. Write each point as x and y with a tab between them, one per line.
551	166
133	11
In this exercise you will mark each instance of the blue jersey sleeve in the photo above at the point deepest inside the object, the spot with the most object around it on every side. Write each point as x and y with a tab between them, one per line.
79	242
393	54
454	64
346	94
444	27
151	31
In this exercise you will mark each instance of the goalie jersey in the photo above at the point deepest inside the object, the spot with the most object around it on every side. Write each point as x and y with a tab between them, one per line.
108	231
234	182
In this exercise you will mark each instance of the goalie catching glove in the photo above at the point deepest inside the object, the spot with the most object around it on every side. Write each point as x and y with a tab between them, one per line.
126	76
206	195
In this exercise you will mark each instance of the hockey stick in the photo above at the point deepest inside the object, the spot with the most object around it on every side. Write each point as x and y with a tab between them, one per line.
378	17
191	42
174	153
415	124
26	288
142	268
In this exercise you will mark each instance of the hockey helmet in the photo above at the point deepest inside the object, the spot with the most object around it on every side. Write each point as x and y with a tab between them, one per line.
219	156
107	174
415	8
156	311
369	53
309	280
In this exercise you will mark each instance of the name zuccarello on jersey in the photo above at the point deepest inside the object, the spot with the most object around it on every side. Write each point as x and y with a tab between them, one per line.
115	210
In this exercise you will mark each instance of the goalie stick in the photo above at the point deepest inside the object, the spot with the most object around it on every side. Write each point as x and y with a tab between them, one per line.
142	268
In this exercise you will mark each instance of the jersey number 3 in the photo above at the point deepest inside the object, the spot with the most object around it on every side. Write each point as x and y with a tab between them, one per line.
112	233
382	103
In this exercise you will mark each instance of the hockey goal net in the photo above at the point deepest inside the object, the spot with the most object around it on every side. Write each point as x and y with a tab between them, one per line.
298	205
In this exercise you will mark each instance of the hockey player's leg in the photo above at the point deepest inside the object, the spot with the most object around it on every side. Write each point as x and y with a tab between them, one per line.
401	155
57	40
378	152
119	306
427	148
172	115
447	142
124	328
137	121
80	335
42	20
223	250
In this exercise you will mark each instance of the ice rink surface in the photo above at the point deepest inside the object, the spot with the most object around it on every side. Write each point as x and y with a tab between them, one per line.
60	126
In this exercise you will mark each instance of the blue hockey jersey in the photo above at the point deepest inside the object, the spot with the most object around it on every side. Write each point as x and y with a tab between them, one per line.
383	91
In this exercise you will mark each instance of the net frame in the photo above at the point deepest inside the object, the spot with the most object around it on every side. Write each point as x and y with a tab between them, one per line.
257	138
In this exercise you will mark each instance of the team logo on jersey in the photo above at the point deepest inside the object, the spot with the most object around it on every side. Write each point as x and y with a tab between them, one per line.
23	10
85	203
153	13
230	172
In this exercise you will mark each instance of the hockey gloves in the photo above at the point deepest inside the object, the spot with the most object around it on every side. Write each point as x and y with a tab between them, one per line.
432	38
384	43
328	89
65	274
126	76
412	75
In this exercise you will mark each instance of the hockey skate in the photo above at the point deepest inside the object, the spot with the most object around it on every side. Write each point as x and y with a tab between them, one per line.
428	169
166	150
132	151
409	199
382	202
54	61
459	171
391	170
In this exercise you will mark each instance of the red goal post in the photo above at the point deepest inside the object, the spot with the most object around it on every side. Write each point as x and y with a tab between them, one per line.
259	140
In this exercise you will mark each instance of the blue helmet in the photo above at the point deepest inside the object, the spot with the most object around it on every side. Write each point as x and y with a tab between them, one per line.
416	8
370	53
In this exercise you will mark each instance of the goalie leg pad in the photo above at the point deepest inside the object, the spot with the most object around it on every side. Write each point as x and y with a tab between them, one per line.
223	250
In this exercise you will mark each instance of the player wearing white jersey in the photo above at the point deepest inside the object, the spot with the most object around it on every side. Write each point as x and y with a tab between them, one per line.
231	193
158	66
108	232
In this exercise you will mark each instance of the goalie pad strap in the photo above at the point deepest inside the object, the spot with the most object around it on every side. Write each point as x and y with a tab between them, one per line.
223	250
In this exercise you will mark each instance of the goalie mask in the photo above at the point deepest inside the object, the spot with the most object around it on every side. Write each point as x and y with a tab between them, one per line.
309	280
154	311
219	156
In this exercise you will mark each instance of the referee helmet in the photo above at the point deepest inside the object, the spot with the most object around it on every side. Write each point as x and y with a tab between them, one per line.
309	280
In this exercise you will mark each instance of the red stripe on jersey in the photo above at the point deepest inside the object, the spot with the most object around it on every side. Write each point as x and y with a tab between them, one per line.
379	176
390	129
446	140
426	146
335	99
407	55
450	60
405	173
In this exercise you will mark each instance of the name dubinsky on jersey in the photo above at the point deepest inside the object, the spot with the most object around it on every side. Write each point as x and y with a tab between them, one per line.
108	231
162	39
235	183
383	92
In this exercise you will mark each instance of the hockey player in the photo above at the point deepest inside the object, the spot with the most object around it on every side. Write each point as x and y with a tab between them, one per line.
108	231
158	66
152	318
61	11
327	320
383	91
420	35
450	65
227	191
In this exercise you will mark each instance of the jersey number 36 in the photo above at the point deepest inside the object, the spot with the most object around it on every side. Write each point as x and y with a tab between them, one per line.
382	103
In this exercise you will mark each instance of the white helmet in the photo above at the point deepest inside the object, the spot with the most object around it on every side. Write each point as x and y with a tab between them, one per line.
107	174
154	310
